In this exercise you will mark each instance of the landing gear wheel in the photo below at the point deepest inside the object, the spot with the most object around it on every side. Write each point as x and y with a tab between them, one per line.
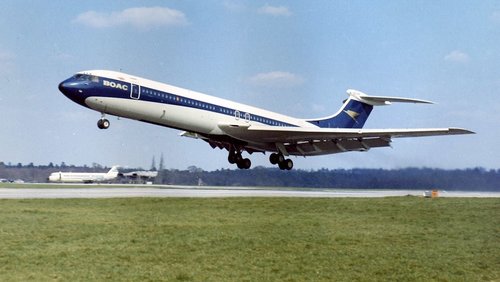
103	124
234	157
286	164
275	158
231	158
244	164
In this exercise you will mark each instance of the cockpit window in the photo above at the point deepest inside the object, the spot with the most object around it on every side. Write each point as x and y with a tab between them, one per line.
86	77
79	76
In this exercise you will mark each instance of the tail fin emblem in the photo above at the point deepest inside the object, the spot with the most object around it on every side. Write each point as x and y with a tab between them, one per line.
352	114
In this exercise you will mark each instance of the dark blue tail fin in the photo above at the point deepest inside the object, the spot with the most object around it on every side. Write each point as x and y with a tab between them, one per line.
357	108
353	114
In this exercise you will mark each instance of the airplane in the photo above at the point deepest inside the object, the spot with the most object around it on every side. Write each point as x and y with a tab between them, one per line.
236	127
84	177
142	174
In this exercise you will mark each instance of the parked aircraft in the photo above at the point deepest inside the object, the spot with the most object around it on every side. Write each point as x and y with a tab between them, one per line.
142	174
237	127
84	177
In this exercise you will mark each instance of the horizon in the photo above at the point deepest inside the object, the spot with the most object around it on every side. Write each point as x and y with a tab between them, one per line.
190	167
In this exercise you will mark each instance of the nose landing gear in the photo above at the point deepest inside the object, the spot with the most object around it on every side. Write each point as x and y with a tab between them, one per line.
103	123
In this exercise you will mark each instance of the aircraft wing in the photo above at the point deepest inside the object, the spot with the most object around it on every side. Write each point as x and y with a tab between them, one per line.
276	134
320	141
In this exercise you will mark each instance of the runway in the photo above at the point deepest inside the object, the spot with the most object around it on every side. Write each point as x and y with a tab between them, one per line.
214	192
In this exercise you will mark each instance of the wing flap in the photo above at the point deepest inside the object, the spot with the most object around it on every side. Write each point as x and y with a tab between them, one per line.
275	134
323	147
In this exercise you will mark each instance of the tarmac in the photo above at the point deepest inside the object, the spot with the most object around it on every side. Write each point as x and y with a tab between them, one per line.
167	191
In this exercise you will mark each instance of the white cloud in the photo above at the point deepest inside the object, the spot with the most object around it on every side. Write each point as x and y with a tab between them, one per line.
276	79
274	10
457	57
140	17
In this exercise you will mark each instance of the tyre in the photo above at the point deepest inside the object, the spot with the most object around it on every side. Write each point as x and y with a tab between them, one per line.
286	164
105	124
244	164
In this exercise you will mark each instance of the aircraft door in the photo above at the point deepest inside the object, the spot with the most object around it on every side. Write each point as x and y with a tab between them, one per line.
135	91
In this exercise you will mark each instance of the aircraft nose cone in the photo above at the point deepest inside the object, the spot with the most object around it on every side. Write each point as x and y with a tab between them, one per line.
64	87
61	87
72	90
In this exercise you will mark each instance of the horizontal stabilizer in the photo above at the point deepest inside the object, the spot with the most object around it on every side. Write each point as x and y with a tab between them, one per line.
382	100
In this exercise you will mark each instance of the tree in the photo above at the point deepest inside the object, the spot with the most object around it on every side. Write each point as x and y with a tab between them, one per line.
160	166
153	164
194	169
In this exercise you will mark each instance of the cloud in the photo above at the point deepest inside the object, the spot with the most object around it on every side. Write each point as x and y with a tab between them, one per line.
276	79
275	10
457	57
140	17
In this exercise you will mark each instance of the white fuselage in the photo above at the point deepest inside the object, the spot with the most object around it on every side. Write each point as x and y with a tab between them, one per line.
181	108
84	177
70	177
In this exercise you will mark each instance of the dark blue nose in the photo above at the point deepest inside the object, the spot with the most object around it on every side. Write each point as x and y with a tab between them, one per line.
73	90
69	88
62	87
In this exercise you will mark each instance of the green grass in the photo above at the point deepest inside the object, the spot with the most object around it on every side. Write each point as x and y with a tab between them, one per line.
250	239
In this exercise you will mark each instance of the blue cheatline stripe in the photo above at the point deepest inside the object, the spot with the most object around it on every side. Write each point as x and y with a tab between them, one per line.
162	97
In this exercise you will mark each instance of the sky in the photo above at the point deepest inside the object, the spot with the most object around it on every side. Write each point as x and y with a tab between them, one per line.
294	57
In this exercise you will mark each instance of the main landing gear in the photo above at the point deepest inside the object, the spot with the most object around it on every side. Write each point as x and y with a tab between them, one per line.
245	163
236	158
279	159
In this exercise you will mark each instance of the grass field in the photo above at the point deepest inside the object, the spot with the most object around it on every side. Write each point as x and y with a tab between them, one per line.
251	239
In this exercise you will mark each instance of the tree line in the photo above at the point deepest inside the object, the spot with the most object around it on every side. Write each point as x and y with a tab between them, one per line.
472	179
475	179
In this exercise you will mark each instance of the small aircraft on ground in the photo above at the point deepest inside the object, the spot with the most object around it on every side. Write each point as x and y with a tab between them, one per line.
84	177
